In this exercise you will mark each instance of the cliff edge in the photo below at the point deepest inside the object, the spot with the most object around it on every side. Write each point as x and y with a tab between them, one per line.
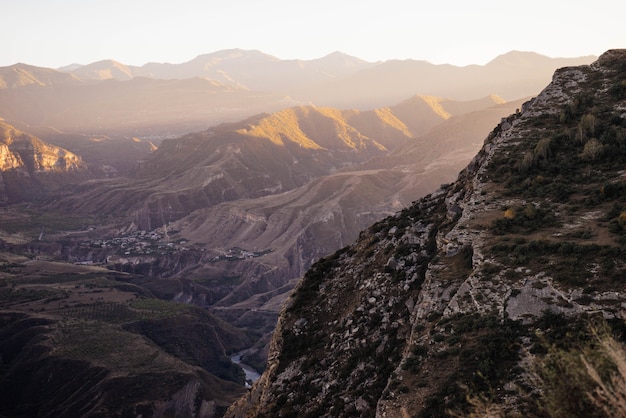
461	292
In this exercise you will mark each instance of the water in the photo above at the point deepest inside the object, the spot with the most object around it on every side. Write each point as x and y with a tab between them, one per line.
251	374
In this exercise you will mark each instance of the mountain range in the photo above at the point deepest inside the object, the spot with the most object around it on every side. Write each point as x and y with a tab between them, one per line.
163	100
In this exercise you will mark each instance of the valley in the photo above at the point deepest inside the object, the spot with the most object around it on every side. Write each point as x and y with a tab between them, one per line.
179	214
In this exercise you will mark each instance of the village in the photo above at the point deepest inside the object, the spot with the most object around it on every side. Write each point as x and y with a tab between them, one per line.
155	243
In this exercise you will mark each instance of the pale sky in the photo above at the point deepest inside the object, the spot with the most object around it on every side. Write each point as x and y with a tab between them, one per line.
55	33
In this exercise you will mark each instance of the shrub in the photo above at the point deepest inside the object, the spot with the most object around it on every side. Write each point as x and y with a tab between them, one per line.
524	219
593	149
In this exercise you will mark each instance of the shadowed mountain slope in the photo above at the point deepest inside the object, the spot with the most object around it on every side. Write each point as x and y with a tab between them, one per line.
276	182
83	341
255	203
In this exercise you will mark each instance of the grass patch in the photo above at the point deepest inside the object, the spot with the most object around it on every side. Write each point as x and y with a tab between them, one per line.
157	308
30	222
110	346
10	296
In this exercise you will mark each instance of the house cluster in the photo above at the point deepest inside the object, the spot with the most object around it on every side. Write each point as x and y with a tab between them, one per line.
139	243
152	243
237	253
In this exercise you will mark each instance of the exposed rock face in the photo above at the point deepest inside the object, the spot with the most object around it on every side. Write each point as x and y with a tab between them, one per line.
451	290
28	164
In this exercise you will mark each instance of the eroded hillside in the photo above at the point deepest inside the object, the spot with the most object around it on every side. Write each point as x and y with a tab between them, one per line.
460	292
30	168
79	340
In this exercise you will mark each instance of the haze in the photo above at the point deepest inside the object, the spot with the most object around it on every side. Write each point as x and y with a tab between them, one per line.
57	33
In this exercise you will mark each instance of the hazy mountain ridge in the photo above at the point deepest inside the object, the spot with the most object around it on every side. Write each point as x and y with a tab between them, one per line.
259	71
165	100
138	106
454	288
21	75
390	80
252	70
103	70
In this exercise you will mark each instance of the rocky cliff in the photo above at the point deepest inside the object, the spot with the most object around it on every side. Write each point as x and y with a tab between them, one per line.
459	292
29	166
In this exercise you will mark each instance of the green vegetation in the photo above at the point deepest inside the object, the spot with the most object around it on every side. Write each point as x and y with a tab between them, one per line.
525	220
570	263
157	308
579	370
568	154
110	346
484	349
10	296
121	313
31	223
96	279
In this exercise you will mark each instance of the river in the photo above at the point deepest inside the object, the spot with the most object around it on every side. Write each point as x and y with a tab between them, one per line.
251	374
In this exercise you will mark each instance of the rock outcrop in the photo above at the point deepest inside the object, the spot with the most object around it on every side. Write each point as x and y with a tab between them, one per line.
29	166
451	292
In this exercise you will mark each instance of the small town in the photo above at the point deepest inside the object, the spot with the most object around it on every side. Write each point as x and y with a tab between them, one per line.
153	243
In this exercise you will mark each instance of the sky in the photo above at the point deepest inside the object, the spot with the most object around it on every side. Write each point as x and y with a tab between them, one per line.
55	33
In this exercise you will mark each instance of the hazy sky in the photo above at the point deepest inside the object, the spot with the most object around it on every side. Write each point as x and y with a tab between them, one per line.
54	33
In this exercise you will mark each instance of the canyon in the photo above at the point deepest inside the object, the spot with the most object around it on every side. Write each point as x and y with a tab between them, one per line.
211	230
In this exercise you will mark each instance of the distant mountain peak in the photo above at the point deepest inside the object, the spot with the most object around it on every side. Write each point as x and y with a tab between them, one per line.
340	58
104	70
529	59
20	75
233	54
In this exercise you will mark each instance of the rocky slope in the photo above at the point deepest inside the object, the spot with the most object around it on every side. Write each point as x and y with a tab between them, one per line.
30	167
452	294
